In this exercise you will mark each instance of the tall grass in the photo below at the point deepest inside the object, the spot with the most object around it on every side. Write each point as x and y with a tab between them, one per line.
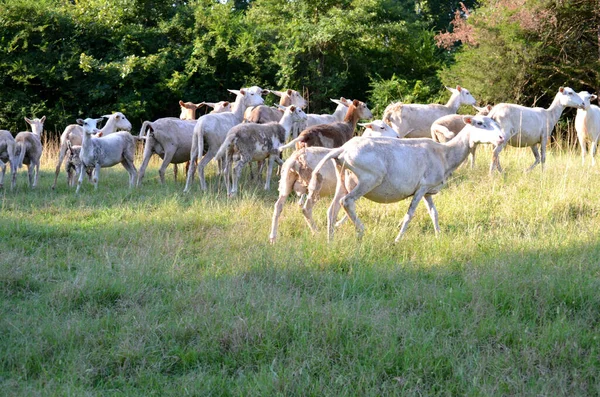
151	291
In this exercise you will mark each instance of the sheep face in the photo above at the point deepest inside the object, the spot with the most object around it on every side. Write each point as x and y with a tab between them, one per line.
483	130
586	97
569	98
37	125
363	110
122	124
89	125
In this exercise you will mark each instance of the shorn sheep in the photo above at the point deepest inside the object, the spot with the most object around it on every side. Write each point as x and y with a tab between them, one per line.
377	128
263	114
587	125
334	134
414	120
256	142
74	134
337	116
389	170
7	155
105	152
522	126
28	149
212	129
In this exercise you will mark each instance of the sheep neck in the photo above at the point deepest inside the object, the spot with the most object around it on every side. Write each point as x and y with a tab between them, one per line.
454	102
457	150
238	107
109	127
285	100
352	116
554	111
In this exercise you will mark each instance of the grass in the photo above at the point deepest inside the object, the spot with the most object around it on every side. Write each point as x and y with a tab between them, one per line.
152	291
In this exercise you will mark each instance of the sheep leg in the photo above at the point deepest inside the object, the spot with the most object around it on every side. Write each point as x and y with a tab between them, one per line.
307	212
80	179
594	147
583	145
285	189
193	158
175	172
3	166
237	174
495	165
61	155
269	172
334	208
410	213
202	164
37	173
432	213
227	171
13	172
146	159
30	169
165	164
536	154
363	187
472	156
96	176
130	167
543	145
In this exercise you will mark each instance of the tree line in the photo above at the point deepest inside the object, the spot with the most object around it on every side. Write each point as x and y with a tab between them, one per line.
78	58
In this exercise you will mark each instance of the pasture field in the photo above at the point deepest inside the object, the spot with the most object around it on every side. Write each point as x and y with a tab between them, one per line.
152	291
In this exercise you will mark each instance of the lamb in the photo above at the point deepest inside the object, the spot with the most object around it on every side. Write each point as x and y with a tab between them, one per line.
378	128
256	142
188	109
338	114
212	129
105	152
73	163
7	154
335	134
28	149
415	120
389	170
523	126
587	125
295	176
74	134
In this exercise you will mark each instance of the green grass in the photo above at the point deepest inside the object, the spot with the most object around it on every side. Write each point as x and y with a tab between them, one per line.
152	291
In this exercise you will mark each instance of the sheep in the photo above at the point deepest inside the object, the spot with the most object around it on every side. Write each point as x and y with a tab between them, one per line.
73	163
256	142
28	149
7	154
295	176
263	114
335	134
414	120
188	109
74	134
104	152
377	128
447	127
338	114
587	125
389	170
213	129
523	126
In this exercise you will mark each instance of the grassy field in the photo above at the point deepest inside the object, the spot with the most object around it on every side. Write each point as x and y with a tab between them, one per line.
151	291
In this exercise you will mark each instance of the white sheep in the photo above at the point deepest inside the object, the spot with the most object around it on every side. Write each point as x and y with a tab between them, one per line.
74	134
389	170
587	125
28	149
256	142
212	130
414	120
104	152
188	109
523	126
7	154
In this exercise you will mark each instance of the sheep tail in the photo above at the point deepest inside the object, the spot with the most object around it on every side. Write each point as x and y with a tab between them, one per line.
226	143
333	154
290	145
21	148
145	126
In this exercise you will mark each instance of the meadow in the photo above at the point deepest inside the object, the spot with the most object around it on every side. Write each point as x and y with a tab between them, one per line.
152	291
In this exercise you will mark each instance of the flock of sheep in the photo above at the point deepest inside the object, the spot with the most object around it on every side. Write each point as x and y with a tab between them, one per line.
328	160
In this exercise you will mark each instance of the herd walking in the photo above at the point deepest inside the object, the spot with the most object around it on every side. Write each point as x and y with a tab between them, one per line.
410	153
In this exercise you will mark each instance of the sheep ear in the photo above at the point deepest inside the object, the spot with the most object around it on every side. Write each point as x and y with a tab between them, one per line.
489	107
280	107
79	121
265	92
366	125
593	97
290	92
43	119
181	103
561	90
356	102
344	100
106	116
468	119
237	92
28	121
336	101
226	103
277	93
292	108
99	120
450	89
458	88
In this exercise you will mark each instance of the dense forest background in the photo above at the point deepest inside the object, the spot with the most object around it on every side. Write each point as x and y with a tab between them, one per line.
67	59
